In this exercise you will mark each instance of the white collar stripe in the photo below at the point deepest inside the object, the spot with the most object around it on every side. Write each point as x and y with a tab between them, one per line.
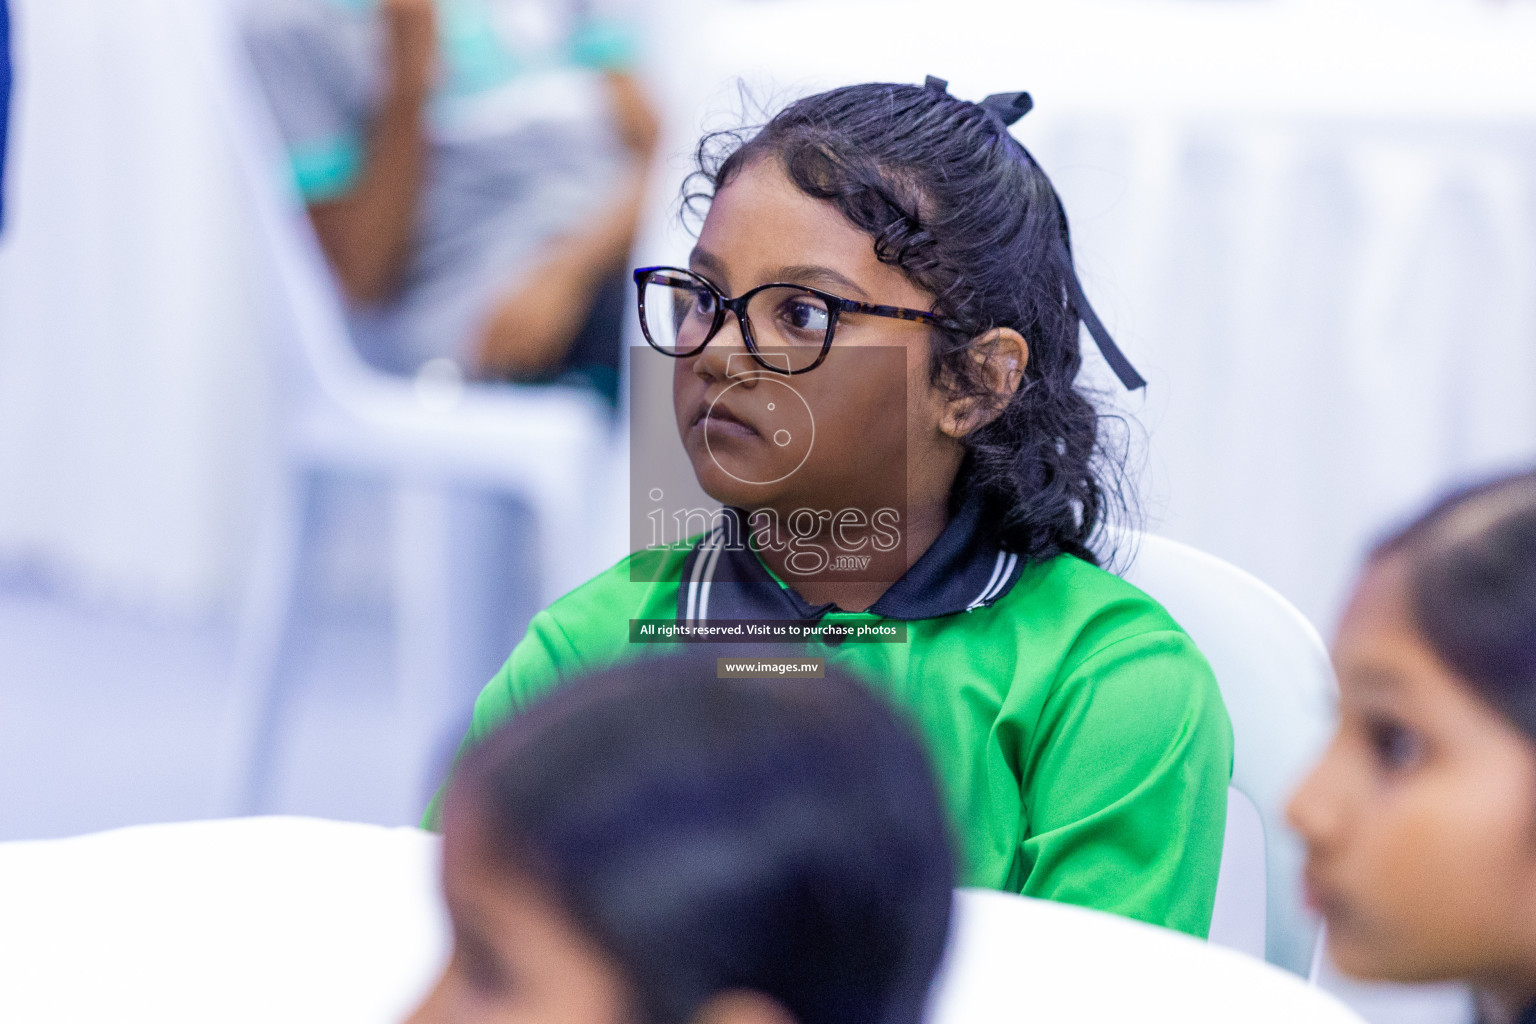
1013	561
997	570
709	581
1002	581
698	570
996	586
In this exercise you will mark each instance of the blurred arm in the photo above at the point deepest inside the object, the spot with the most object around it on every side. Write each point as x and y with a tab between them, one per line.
538	317
367	232
633	115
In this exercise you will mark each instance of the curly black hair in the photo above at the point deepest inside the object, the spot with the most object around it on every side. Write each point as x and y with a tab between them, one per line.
955	202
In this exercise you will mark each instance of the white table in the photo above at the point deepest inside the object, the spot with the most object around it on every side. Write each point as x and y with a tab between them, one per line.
301	920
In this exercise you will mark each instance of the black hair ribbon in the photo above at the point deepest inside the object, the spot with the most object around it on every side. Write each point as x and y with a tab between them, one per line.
1107	347
1009	107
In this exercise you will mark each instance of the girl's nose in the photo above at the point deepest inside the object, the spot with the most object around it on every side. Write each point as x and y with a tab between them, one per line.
725	358
1316	808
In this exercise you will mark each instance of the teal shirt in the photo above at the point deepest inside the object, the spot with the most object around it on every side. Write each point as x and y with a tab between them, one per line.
521	147
1077	732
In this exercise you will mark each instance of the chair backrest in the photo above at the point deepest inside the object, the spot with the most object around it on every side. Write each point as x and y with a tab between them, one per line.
314	358
1240	916
1278	685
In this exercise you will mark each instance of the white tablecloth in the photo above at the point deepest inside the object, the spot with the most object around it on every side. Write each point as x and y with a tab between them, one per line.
298	920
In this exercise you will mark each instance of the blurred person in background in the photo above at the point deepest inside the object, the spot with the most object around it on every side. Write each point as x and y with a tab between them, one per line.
473	169
654	845
1420	819
5	97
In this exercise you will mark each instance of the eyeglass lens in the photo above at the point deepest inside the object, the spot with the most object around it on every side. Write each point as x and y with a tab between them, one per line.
789	325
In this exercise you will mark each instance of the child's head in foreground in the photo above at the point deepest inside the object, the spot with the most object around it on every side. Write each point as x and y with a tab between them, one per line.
912	200
1421	817
658	846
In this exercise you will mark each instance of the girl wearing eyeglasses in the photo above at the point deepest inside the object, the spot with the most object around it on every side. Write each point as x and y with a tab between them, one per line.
875	356
1420	820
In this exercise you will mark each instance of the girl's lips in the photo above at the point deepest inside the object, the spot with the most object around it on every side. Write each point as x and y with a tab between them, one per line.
719	419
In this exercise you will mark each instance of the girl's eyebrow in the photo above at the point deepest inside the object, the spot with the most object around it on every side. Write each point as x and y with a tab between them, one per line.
704	260
814	273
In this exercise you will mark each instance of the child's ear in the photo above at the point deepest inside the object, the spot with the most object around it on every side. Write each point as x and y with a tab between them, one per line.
1000	356
740	1006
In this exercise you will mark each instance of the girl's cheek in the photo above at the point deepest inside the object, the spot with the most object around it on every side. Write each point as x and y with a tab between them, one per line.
1433	883
1410	854
1384	922
681	374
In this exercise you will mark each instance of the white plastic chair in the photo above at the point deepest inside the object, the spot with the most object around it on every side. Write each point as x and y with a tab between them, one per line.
1278	685
547	447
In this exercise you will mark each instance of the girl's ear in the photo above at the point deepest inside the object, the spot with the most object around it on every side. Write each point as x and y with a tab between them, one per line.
1000	356
741	1006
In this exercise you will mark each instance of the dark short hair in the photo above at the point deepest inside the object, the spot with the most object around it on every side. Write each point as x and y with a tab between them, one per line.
1472	582
953	200
782	836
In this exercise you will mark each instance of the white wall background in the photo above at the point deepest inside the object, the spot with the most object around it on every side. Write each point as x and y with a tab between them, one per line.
133	397
1312	226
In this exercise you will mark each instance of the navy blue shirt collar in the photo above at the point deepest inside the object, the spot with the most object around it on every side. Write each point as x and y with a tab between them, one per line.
723	578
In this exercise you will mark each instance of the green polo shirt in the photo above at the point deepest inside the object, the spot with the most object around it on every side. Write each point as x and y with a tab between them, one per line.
1077	732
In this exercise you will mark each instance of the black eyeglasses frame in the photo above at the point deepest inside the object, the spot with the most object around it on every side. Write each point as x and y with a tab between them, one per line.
836	305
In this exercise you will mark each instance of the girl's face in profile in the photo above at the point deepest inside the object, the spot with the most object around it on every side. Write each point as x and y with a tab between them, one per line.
1420	820
839	435
517	959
